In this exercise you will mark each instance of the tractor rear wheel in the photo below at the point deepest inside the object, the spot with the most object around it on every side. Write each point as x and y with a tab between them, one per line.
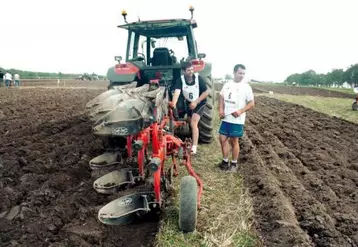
188	207
206	121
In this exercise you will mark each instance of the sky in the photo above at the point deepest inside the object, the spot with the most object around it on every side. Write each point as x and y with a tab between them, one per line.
273	39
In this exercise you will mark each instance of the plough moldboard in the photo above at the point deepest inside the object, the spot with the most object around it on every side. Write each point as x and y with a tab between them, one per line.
141	117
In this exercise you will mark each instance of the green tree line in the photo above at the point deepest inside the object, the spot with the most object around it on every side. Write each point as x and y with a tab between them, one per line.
334	77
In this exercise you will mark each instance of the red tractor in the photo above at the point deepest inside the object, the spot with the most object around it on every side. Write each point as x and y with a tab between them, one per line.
141	129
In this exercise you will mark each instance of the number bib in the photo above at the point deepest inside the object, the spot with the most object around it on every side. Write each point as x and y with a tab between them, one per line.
192	92
231	100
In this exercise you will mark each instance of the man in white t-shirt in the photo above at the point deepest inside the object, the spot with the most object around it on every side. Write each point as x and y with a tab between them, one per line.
8	79
236	98
17	80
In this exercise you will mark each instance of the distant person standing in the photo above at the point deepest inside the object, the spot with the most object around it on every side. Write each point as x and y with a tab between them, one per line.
17	80
8	79
236	98
2	78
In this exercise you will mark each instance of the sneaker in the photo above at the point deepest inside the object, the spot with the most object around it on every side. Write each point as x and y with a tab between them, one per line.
224	165
233	168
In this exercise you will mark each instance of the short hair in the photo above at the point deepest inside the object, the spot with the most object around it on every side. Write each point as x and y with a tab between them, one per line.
186	65
238	66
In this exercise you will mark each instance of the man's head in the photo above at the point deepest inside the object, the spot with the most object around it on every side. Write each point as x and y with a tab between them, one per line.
239	72
188	69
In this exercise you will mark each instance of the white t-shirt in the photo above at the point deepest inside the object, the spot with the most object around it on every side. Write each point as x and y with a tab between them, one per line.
8	76
16	77
236	96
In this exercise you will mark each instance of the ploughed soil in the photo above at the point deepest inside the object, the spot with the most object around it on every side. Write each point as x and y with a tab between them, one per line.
63	83
301	169
46	193
300	91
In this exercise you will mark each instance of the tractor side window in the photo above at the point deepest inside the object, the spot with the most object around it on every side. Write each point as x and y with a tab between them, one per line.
131	46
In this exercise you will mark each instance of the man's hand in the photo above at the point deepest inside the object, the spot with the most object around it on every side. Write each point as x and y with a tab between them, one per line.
171	104
221	114
193	105
237	113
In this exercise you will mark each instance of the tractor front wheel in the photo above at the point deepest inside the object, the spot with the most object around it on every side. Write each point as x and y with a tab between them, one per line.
188	207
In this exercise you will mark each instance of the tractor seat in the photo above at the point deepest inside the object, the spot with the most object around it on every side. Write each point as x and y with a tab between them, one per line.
161	57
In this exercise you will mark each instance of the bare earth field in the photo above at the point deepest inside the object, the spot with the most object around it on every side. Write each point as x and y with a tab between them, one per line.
63	83
45	180
300	91
301	168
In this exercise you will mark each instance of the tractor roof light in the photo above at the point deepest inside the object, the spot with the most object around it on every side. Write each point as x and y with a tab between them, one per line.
191	9
124	14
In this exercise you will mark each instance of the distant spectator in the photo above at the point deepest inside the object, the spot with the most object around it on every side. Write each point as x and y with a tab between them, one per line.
8	79
17	80
2	78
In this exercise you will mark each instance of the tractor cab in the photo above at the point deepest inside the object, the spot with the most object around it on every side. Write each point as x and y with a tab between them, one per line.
155	50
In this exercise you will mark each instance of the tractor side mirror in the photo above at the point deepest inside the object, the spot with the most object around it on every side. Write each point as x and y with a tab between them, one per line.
118	58
201	55
152	42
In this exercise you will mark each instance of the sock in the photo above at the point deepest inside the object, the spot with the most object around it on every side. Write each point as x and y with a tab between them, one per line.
193	148
234	162
226	160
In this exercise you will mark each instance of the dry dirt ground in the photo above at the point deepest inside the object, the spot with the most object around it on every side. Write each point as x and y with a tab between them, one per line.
46	194
301	168
300	91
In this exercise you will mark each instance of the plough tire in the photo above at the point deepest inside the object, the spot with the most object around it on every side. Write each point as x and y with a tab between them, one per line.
188	204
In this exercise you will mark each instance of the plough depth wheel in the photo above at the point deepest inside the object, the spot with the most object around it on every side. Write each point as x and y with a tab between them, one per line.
188	207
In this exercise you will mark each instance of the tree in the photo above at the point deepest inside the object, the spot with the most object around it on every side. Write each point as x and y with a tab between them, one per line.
294	78
351	74
309	78
335	77
228	77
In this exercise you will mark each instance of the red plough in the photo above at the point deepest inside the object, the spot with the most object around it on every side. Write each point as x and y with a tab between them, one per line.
163	145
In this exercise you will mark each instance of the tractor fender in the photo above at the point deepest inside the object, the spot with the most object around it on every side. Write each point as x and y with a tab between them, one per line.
122	76
206	72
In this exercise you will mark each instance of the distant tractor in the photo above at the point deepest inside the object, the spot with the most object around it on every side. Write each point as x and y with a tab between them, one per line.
88	77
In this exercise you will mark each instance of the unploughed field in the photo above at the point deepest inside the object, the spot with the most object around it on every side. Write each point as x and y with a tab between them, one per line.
299	166
313	91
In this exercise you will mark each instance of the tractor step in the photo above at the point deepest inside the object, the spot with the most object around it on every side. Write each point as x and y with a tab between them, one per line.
105	160
113	181
125	209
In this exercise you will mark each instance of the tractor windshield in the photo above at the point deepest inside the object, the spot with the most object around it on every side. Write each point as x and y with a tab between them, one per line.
177	47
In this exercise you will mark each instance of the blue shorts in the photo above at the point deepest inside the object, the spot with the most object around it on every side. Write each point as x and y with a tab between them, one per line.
231	129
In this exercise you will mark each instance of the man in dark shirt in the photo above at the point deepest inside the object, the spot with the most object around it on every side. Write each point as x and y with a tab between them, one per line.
194	89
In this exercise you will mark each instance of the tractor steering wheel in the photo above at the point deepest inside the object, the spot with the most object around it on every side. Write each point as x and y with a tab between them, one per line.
141	57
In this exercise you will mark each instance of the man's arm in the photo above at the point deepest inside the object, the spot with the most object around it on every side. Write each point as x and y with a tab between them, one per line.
176	97
250	103
177	91
203	96
221	107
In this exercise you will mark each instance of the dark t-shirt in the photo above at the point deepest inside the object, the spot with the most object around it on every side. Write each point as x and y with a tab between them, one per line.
202	85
